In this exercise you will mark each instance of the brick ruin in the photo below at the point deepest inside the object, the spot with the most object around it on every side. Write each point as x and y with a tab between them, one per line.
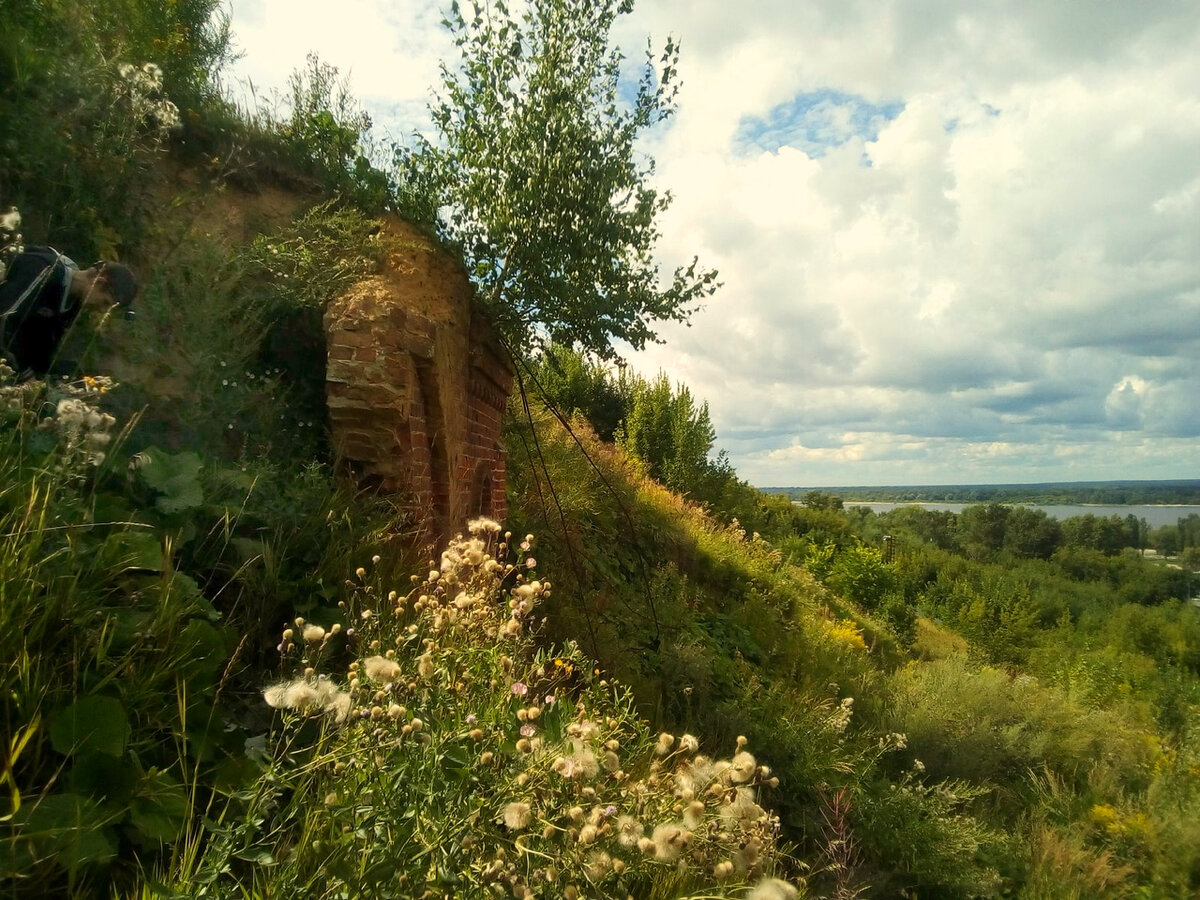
416	385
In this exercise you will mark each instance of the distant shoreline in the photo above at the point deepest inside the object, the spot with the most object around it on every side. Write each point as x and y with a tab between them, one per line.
1178	492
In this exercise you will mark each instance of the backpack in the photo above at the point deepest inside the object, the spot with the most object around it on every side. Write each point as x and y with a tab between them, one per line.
35	307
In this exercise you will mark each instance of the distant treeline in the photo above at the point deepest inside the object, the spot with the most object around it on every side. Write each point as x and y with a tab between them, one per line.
1106	493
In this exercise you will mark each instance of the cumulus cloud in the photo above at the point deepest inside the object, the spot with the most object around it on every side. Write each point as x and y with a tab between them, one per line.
953	240
958	243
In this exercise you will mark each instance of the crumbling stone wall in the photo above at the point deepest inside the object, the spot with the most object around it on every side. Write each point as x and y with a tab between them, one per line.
416	385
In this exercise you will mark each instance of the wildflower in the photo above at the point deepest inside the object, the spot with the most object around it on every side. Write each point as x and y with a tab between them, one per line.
528	730
300	696
772	889
689	743
381	670
483	525
375	559
517	815
840	719
314	634
743	809
747	855
471	719
339	705
670	841
665	743
520	689
629	831
599	864
742	768
693	815
275	695
360	572
588	834
425	665
723	870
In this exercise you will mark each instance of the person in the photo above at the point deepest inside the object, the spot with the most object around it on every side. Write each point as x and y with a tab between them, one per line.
42	296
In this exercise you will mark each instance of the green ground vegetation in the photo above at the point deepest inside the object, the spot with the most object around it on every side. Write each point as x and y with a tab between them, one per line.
227	674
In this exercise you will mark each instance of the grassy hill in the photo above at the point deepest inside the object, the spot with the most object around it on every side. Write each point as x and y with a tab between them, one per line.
228	673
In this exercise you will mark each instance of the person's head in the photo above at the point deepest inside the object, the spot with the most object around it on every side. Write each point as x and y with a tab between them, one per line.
105	284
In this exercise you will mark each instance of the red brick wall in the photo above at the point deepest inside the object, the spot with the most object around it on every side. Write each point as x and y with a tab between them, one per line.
416	386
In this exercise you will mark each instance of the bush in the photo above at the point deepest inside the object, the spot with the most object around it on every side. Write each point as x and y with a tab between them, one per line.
431	747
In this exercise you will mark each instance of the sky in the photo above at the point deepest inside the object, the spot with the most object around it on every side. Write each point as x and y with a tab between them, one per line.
958	242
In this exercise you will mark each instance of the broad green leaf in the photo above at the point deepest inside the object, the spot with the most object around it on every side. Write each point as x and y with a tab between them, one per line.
135	549
67	828
159	807
91	725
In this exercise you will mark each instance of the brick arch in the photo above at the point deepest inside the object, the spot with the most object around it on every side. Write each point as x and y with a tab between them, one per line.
417	385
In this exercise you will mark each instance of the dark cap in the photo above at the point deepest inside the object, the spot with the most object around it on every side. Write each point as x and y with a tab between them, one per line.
121	282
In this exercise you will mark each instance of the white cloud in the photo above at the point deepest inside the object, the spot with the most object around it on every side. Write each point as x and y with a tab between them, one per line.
995	280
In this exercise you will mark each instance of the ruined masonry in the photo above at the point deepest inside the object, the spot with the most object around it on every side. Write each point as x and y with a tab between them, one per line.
416	385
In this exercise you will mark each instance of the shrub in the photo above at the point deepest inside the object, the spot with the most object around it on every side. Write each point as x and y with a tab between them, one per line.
450	754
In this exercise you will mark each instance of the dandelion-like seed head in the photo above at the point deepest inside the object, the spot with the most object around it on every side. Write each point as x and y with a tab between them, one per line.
425	667
517	815
742	767
381	670
670	841
483	525
629	831
772	889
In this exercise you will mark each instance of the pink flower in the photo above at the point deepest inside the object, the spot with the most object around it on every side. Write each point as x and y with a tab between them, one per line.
520	689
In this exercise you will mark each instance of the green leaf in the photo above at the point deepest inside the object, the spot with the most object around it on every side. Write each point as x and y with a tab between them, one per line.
203	647
91	725
134	550
159	808
68	828
106	779
175	476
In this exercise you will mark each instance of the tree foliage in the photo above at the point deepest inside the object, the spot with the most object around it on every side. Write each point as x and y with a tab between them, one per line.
539	180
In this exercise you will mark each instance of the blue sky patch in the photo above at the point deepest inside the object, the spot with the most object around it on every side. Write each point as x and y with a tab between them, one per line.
814	122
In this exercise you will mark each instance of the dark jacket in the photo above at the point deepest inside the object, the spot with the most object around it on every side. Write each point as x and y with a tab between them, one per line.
36	308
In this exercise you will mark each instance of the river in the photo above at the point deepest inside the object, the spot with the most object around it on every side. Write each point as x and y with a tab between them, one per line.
1155	516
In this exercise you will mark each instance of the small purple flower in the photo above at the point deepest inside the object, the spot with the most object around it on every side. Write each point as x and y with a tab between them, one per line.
528	730
549	699
471	719
610	810
520	688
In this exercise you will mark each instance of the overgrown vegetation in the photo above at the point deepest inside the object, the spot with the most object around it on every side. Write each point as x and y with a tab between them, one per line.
217	681
1061	720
